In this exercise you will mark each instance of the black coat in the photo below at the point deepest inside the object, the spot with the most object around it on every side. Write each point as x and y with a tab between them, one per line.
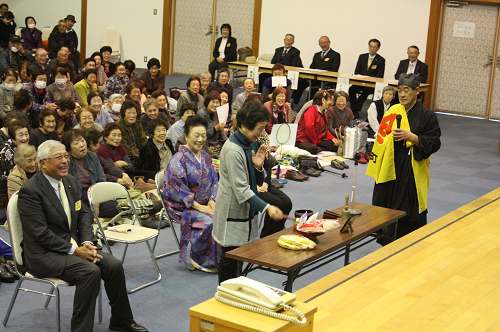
292	57
376	69
230	53
421	69
330	62
149	158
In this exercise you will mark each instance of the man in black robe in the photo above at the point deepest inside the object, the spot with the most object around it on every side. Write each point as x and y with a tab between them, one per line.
401	193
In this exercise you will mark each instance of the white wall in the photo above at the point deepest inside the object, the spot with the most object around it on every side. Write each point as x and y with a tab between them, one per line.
46	12
140	30
349	25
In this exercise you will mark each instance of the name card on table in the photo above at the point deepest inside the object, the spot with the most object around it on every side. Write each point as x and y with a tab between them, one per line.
378	90
294	77
253	72
277	80
222	113
342	84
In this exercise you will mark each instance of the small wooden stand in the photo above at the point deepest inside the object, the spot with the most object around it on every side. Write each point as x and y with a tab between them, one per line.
213	315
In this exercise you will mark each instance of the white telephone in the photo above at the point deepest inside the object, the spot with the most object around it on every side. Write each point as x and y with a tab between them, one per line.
251	295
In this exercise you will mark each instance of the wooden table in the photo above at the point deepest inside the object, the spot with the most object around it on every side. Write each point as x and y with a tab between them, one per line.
213	315
323	76
267	255
443	277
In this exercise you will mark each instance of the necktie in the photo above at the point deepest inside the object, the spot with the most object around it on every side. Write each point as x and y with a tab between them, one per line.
410	69
67	209
370	62
323	55
284	53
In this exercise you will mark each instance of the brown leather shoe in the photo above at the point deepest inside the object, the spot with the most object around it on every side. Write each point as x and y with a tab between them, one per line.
308	170
292	175
299	173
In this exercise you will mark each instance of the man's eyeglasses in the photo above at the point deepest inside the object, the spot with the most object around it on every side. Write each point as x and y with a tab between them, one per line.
60	157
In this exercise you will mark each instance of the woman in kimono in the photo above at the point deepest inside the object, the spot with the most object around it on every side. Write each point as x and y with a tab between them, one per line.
189	189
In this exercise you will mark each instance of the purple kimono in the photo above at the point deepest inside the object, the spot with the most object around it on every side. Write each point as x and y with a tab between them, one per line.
187	180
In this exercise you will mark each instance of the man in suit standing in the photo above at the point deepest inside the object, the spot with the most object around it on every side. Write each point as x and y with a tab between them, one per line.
59	242
413	66
326	59
286	55
369	64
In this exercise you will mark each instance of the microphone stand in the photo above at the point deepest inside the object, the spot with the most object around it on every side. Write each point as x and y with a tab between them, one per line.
353	211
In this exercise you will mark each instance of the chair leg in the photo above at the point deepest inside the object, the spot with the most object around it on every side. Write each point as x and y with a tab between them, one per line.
99	305
157	270
175	237
49	297
124	253
58	309
11	305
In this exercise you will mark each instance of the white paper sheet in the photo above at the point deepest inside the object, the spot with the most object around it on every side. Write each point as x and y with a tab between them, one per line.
290	141
378	90
343	84
294	77
464	29
222	112
276	80
253	72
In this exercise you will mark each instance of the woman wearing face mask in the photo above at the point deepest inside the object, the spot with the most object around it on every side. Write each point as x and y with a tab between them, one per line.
39	95
278	109
114	105
31	35
62	88
9	80
101	74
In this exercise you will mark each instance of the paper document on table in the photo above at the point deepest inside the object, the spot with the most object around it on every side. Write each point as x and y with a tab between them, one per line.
222	112
378	90
276	80
253	72
360	76
294	77
342	84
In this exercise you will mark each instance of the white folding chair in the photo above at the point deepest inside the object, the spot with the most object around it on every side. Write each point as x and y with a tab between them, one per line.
164	214
18	31
16	237
111	37
46	31
106	191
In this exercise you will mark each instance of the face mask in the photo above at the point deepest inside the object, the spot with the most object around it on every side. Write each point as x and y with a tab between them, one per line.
31	26
61	81
40	85
14	49
8	86
116	108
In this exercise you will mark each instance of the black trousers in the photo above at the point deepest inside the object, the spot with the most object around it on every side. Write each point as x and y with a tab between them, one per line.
228	267
326	145
275	197
262	78
215	65
357	103
302	84
87	276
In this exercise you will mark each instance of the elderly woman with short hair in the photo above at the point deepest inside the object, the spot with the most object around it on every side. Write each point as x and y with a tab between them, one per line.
378	108
114	105
116	82
225	50
192	95
25	167
248	86
154	78
205	79
133	92
133	134
151	108
339	115
278	109
86	119
215	130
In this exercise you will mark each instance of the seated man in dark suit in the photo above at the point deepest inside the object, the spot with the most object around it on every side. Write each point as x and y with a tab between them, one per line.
326	59
59	242
286	55
413	66
369	64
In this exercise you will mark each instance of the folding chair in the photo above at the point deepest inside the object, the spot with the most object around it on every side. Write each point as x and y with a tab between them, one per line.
164	214
16	237
105	191
111	37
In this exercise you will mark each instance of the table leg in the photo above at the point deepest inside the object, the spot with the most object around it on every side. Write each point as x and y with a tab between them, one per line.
347	252
395	235
309	93
289	280
245	271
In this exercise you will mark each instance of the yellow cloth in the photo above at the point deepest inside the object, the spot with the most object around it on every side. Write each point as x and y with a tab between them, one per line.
381	165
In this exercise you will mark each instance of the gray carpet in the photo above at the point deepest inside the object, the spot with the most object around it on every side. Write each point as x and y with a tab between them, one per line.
466	167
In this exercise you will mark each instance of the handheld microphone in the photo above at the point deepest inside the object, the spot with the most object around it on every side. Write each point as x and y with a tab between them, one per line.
398	119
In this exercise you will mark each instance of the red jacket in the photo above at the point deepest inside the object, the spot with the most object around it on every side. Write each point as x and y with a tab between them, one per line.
313	126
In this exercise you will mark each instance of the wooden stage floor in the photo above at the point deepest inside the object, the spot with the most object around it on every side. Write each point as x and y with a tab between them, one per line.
443	277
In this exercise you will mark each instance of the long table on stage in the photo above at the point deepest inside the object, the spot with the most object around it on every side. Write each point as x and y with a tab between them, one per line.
265	253
324	76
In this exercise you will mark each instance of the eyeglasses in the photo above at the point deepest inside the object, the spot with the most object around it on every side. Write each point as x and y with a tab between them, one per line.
59	157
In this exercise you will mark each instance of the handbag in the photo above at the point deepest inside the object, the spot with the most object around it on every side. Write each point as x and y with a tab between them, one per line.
338	133
174	93
308	161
